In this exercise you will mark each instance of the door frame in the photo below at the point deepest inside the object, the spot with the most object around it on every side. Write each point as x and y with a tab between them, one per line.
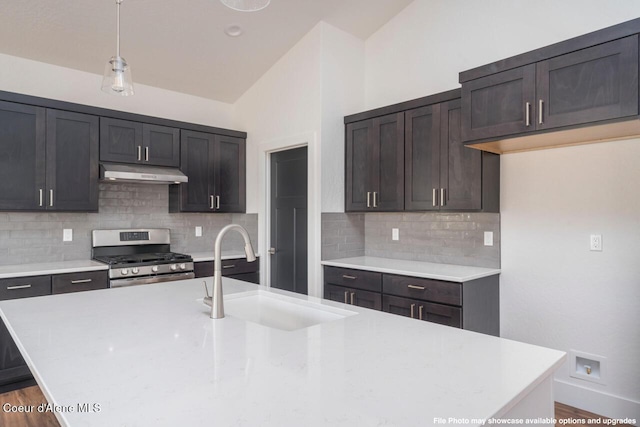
310	140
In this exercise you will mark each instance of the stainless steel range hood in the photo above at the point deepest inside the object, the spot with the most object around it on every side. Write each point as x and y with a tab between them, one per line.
112	172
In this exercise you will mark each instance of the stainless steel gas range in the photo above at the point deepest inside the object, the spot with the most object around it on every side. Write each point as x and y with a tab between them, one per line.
140	256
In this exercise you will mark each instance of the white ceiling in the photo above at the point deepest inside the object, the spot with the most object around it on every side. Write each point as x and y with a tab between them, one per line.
178	45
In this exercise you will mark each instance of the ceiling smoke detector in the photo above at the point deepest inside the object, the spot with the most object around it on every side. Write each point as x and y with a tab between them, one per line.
246	5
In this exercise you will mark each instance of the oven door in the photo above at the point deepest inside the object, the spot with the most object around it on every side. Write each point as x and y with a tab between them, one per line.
118	283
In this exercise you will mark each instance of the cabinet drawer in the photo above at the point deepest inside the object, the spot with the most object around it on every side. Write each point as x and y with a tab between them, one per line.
23	287
416	309
359	279
76	282
229	267
357	297
424	289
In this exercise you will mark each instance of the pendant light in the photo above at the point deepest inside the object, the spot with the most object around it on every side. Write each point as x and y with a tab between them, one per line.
246	5
117	73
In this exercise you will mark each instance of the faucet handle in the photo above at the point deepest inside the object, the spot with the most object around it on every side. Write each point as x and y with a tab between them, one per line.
208	299
206	290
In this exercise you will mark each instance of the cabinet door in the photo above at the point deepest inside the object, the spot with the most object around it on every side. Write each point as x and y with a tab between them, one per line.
120	141
499	104
421	310
196	161
387	173
351	296
161	145
422	159
229	174
460	166
358	165
22	157
72	161
588	85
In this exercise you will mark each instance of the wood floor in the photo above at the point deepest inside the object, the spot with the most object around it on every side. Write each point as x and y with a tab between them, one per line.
33	396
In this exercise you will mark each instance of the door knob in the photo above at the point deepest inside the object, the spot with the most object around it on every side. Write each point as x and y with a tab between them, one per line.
272	251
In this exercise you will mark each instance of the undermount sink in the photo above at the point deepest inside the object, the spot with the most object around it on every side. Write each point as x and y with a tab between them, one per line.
280	311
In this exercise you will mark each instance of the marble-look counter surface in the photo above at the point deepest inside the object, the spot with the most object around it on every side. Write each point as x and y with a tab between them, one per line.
151	356
42	269
428	270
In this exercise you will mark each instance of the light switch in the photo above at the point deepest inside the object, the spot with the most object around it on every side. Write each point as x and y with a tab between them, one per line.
67	235
198	231
488	238
395	234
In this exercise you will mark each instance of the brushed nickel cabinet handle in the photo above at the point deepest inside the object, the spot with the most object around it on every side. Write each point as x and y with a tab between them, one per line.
421	288
420	309
540	106
527	114
442	197
211	202
75	282
51	197
368	199
146	154
346	295
413	307
353	294
13	288
217	202
375	197
139	152
229	266
434	196
41	196
346	276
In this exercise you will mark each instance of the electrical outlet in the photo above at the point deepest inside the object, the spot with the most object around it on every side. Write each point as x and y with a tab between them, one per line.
67	235
395	234
198	231
488	238
596	242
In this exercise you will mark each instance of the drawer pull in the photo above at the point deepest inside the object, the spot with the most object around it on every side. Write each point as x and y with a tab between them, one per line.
413	307
346	276
229	266
420	309
421	288
13	288
346	295
353	294
75	282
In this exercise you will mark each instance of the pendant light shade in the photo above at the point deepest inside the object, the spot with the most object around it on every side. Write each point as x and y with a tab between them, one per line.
246	5
117	78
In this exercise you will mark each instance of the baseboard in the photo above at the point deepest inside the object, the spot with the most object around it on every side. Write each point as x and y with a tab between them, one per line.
594	401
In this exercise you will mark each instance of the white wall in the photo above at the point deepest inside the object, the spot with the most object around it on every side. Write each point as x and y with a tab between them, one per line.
554	291
50	81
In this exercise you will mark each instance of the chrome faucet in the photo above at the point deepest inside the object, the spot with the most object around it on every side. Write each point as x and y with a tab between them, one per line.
215	301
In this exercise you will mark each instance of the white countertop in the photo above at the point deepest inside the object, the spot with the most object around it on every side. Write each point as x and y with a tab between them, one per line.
41	269
208	256
428	270
151	356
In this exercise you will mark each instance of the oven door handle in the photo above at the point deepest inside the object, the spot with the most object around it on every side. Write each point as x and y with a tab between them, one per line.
151	279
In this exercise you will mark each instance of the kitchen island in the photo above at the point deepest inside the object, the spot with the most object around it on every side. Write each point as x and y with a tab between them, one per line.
151	356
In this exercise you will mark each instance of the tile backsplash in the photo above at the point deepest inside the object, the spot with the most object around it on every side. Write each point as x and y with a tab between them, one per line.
451	238
28	237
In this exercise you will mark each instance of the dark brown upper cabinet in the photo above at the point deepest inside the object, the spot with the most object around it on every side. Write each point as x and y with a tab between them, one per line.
215	166
49	159
587	81
375	164
124	141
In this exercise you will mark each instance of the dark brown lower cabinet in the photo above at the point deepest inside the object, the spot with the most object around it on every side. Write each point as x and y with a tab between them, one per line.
76	282
353	296
421	310
239	269
473	305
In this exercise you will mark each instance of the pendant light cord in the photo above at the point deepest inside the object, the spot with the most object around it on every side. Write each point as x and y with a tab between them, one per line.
118	28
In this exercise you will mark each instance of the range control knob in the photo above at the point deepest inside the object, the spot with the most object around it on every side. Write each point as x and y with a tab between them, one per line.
174	267
135	270
183	266
124	271
154	268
